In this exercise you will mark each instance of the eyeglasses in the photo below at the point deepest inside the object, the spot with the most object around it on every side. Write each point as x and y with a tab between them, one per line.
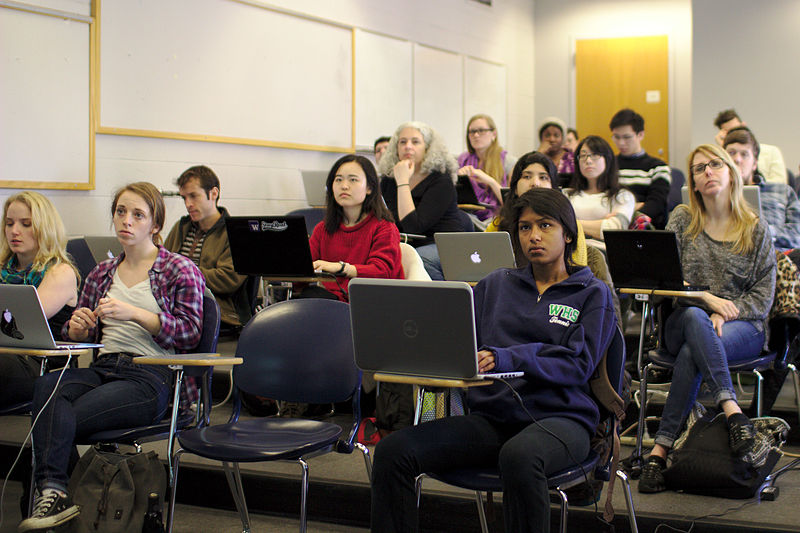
589	157
479	131
715	164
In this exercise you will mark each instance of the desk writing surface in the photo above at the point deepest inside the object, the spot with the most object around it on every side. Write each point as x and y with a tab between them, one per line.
32	352
664	292
188	359
431	382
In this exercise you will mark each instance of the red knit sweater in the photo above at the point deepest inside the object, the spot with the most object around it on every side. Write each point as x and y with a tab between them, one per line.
372	246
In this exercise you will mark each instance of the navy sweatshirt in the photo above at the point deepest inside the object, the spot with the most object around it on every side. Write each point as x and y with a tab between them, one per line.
557	339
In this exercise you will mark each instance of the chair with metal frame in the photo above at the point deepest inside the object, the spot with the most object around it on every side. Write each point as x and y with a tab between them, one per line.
283	360
488	479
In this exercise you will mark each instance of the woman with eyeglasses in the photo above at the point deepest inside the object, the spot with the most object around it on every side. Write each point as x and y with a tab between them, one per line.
599	201
485	166
724	245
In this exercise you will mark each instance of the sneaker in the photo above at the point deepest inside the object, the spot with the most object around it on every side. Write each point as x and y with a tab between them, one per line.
50	509
652	479
293	409
741	434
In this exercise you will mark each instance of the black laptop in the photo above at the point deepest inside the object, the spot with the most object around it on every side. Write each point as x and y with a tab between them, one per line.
270	246
645	260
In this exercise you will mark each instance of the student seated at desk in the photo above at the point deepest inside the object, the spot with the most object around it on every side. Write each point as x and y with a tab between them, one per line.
724	245
418	176
147	301
358	237
33	252
549	319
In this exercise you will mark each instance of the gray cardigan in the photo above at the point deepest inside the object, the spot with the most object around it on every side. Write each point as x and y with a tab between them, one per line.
746	280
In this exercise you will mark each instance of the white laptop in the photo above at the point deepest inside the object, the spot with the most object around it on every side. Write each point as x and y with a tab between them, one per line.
23	323
752	194
103	247
471	256
314	184
417	328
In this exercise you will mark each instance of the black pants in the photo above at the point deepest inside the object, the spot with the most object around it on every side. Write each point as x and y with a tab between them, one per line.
525	454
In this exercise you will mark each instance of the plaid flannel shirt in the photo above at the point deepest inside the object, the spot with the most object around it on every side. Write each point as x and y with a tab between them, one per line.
177	286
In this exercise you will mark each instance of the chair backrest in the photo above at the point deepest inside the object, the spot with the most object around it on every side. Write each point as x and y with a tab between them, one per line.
413	267
210	333
676	182
299	351
313	215
82	257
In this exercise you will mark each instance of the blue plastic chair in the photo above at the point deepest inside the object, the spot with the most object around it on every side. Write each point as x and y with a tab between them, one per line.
489	480
313	216
296	351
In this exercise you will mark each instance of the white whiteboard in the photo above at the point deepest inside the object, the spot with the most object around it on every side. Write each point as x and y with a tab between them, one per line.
44	101
250	73
439	94
384	96
485	92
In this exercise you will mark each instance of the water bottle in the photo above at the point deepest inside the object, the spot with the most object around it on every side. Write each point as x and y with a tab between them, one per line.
153	521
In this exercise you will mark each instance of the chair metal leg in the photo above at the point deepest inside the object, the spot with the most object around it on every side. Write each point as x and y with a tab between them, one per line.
637	461
418	488
564	510
367	459
626	488
481	512
173	488
234	477
796	381
173	423
418	408
759	391
303	494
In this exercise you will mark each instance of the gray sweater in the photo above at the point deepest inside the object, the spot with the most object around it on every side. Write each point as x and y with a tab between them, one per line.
746	280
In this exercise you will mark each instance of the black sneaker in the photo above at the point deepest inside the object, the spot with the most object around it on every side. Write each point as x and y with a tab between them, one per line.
50	509
741	434
652	478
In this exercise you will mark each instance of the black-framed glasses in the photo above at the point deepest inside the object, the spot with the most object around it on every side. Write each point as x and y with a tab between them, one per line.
479	131
715	164
583	158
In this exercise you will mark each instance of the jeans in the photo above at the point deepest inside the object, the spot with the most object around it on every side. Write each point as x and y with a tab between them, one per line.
114	393
701	355
525	454
429	254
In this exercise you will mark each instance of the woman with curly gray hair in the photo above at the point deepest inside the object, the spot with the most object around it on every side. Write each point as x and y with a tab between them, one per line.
418	188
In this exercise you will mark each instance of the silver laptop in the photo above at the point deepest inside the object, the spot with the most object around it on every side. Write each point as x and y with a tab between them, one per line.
103	247
418	328
752	194
471	256
314	184
23	323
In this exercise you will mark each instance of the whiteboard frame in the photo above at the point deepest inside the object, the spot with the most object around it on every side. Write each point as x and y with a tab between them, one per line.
92	58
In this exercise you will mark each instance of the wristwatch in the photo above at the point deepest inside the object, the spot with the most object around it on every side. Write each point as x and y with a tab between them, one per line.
340	272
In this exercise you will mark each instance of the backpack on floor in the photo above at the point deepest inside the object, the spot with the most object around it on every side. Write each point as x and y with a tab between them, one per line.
112	490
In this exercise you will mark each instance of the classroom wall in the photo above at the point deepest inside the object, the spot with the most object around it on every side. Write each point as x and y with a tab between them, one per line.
266	180
746	56
559	23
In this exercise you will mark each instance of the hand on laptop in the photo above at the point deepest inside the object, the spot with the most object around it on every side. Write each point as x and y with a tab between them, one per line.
485	361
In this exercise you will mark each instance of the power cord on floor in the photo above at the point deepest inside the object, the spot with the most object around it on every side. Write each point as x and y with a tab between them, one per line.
28	436
709	515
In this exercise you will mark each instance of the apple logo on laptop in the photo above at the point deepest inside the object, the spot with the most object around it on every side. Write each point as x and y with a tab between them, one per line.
475	257
410	328
8	325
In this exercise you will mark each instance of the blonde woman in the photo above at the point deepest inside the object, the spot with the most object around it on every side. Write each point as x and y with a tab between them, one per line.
33	252
485	166
726	246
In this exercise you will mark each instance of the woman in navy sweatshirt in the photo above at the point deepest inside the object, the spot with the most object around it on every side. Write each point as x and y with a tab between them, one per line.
549	319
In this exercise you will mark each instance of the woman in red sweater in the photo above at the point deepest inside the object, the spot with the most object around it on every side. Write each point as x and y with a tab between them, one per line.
358	236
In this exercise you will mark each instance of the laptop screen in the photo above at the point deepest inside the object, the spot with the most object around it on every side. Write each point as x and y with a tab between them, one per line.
268	246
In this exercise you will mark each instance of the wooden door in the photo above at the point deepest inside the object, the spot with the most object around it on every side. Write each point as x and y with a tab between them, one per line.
611	74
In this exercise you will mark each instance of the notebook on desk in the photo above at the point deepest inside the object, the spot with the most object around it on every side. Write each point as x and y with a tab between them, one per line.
645	260
471	256
415	328
270	246
23	323
751	193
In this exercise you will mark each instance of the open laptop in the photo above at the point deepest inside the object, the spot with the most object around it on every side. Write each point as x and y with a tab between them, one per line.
270	246
645	260
471	256
23	323
314	184
418	328
752	194
103	247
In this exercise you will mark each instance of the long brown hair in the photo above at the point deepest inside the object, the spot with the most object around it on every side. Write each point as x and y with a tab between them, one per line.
492	161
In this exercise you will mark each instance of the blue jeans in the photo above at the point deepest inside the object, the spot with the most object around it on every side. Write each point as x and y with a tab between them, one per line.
429	254
701	355
525	454
114	393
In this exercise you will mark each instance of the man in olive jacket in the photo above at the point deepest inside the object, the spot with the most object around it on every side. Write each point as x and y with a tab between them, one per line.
201	236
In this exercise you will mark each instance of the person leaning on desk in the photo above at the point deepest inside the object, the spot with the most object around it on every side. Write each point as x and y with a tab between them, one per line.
549	319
